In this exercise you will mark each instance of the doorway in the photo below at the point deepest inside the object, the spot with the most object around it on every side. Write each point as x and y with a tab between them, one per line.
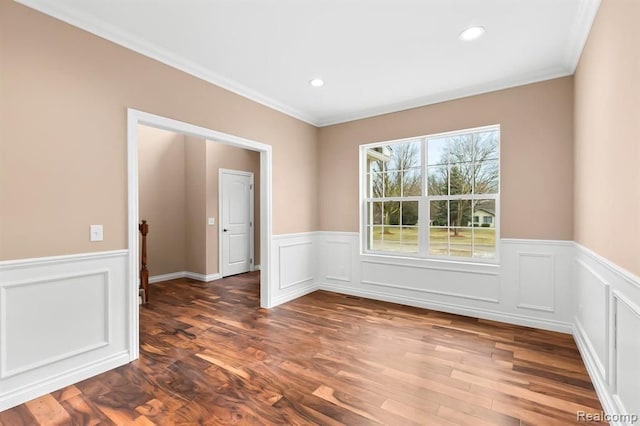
236	221
136	118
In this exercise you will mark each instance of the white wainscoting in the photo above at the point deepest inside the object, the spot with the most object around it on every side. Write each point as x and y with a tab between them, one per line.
607	320
294	267
62	319
530	286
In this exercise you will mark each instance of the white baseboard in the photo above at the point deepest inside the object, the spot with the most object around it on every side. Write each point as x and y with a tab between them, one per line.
522	320
184	274
167	277
602	390
202	277
53	383
296	293
256	267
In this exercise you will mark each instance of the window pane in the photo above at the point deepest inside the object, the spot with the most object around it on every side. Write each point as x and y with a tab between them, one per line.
437	151
438	180
374	213
438	241
392	184
409	213
486	177
484	240
461	239
375	185
484	213
410	239
404	156
411	182
439	213
392	237
461	178
486	146
391	213
460	213
375	238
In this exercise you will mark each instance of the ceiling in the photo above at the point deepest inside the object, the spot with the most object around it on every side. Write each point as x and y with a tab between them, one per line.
375	56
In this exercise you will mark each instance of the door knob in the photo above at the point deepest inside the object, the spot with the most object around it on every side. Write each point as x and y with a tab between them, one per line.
225	230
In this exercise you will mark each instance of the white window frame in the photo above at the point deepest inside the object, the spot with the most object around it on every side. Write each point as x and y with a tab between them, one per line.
424	201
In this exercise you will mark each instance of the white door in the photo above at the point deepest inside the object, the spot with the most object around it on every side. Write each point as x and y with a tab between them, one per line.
236	202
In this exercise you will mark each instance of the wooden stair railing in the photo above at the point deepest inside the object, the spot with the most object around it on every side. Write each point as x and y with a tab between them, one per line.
144	272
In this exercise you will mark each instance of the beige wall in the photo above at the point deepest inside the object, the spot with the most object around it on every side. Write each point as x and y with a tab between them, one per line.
536	155
63	100
607	143
162	199
220	156
195	226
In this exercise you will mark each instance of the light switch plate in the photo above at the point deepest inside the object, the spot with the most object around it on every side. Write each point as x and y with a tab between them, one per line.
96	233
211	221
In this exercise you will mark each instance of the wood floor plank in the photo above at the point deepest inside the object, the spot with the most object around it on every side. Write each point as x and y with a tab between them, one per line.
210	355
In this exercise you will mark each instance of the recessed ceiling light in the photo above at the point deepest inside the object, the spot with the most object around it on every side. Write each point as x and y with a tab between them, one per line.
471	33
316	82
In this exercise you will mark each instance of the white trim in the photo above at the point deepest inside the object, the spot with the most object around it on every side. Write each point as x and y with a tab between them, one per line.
587	11
166	277
629	277
135	118
599	383
150	50
565	243
294	294
432	263
422	101
37	261
201	277
132	42
524	320
256	268
50	384
222	171
295	235
423	290
184	274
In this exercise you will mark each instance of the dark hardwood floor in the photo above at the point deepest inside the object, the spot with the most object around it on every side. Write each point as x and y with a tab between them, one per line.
209	355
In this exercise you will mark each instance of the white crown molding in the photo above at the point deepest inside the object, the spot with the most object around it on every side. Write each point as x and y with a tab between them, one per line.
587	11
521	80
578	37
143	47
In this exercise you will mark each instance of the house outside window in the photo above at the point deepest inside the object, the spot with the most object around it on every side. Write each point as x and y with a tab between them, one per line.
434	196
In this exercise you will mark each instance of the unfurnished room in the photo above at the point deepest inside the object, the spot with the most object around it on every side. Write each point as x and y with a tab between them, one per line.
353	212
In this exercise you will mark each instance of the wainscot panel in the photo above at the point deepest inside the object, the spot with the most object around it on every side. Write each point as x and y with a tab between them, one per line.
294	262
607	320
62	319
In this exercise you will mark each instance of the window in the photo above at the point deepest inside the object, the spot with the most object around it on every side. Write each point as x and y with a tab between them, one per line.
433	196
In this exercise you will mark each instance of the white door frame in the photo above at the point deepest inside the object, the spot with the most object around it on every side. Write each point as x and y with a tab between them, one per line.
135	118
251	218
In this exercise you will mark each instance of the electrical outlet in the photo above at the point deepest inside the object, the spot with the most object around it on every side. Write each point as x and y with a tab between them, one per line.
96	233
